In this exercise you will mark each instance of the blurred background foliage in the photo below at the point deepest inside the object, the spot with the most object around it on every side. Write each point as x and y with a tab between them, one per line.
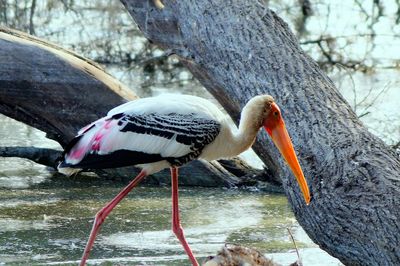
356	42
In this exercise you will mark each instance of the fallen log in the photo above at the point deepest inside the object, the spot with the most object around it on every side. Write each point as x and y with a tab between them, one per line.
238	49
197	173
43	156
59	92
53	89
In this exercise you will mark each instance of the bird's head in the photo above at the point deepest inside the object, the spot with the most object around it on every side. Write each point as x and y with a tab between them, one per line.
271	119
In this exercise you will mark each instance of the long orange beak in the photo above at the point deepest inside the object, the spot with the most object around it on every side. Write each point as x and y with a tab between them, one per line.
275	126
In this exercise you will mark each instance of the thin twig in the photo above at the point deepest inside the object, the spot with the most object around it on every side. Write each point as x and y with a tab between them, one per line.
353	85
295	246
396	146
32	13
373	100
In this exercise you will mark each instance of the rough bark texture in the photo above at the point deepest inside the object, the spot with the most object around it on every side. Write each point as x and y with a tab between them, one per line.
240	48
59	92
53	89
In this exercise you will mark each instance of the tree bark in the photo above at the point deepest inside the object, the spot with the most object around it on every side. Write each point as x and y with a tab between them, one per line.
59	92
51	88
238	49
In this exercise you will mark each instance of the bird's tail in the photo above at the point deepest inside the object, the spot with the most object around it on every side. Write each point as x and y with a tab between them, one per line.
67	168
68	171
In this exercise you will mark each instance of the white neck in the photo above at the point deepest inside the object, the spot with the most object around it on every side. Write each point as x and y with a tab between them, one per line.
244	138
231	142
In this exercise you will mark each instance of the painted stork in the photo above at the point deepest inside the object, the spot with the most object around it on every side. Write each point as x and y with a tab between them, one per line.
169	131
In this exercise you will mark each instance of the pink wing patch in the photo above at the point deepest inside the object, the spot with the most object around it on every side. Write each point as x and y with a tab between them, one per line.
96	143
91	139
103	132
77	154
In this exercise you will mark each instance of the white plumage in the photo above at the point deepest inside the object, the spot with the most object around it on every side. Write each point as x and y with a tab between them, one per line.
169	113
170	103
169	131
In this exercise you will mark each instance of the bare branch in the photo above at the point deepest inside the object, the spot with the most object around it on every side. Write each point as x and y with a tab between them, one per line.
32	12
42	156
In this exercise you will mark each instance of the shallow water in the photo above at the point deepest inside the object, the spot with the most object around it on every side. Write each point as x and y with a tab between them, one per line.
49	224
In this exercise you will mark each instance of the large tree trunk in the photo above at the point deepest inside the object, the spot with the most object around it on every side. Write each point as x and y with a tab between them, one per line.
240	48
59	92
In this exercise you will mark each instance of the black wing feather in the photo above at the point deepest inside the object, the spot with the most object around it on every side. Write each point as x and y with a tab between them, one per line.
188	129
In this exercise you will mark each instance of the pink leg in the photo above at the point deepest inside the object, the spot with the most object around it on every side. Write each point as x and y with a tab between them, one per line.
102	214
176	224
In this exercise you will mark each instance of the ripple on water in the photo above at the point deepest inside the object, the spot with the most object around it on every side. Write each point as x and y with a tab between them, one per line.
11	225
12	203
224	220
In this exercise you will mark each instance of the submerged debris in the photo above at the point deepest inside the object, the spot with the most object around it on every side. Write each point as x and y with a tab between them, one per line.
234	255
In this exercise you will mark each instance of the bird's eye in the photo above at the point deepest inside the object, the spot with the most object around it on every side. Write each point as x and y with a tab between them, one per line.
276	113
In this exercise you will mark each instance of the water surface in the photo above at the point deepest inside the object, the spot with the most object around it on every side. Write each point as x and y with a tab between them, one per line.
49	223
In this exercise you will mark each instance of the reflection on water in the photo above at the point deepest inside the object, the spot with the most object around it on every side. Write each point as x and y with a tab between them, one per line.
46	224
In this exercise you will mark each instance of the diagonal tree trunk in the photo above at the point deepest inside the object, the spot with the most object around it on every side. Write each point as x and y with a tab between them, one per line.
240	48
